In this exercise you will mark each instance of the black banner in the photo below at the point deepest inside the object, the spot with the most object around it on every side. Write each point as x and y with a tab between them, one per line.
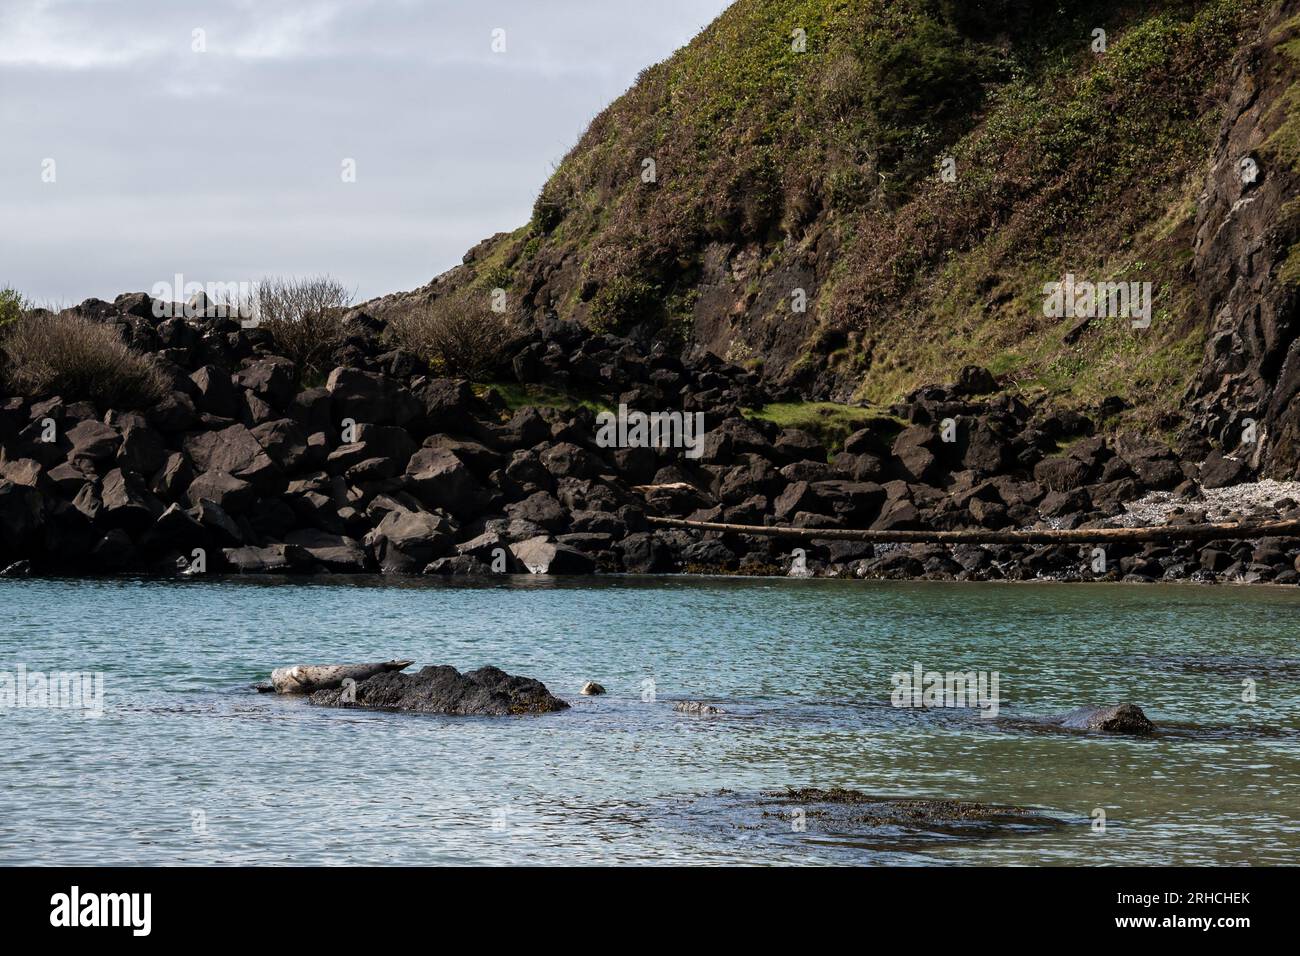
297	905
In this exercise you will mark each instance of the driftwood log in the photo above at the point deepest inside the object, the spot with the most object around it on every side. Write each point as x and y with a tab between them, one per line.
308	678
1187	532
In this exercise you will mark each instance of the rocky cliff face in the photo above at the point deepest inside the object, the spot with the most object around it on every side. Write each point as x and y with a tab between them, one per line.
873	210
1247	224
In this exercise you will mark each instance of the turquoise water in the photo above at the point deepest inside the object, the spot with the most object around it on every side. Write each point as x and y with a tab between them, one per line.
188	766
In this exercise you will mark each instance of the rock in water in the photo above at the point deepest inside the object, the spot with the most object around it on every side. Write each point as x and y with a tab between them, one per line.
592	689
488	691
307	678
1116	719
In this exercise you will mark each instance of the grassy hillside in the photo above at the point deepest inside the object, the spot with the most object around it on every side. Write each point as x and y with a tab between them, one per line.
819	167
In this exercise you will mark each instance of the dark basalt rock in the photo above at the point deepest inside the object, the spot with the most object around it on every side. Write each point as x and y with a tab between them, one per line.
488	691
428	475
1219	471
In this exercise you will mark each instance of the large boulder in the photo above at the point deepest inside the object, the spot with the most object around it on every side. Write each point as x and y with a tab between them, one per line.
857	502
284	442
233	495
542	509
526	429
732	438
127	503
447	403
487	691
174	412
273	559
542	555
1154	465
798	496
93	441
646	553
32	474
234	450
1220	471
338	553
983	450
1062	474
216	392
439	479
271	380
914	453
176	529
405	541
173	477
217	523
794	445
142	449
370	398
752	476
114	552
567	460
974	380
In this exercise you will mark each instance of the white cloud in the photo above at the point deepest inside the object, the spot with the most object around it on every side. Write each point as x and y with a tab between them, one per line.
42	33
229	159
296	32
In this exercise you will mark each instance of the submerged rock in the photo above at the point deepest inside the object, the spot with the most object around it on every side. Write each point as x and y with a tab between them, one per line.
832	819
488	691
1116	719
696	707
920	809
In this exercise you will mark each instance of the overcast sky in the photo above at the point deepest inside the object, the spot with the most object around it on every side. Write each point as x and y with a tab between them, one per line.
227	164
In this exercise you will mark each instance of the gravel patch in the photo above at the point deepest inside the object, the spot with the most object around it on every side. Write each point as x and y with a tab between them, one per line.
1219	504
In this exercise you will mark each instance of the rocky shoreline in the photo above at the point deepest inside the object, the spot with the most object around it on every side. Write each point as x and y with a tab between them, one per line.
386	467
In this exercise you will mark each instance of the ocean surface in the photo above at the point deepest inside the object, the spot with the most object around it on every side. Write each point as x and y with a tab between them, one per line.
187	765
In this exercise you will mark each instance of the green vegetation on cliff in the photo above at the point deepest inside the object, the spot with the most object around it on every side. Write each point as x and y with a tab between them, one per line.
1284	143
919	171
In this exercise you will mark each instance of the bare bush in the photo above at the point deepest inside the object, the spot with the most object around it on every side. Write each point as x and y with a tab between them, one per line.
304	318
44	353
456	335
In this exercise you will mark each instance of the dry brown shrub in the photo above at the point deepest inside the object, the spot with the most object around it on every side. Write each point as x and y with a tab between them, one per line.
305	318
64	354
457	335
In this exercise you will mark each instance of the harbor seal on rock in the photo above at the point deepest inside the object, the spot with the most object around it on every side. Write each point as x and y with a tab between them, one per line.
1116	719
308	678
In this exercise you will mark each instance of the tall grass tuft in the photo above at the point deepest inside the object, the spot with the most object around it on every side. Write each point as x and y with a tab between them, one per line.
44	353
